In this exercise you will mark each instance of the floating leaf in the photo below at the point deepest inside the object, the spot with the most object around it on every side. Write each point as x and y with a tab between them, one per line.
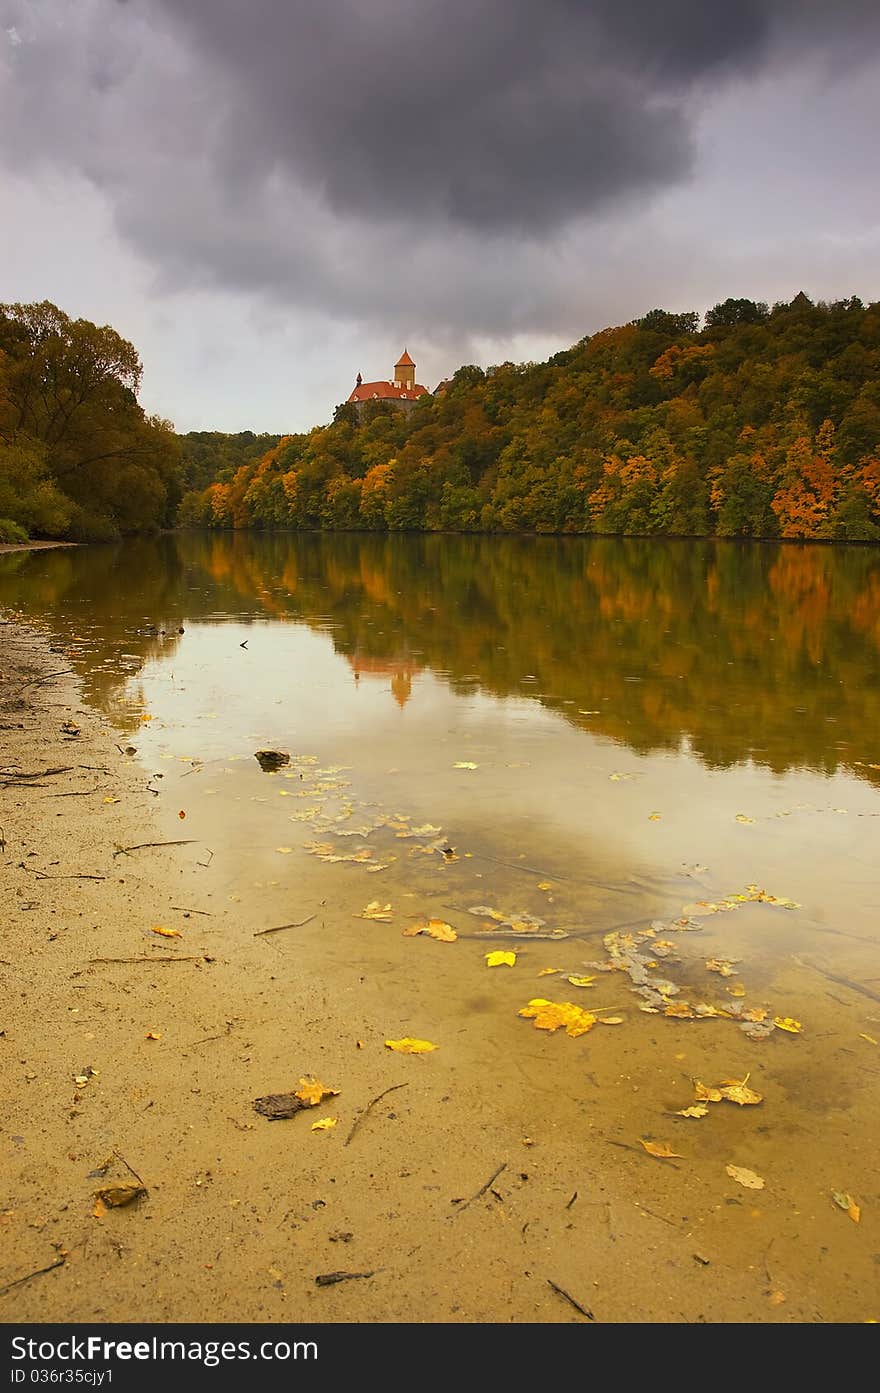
847	1203
741	817
502	957
745	1177
464	764
311	1091
698	1110
660	1149
735	1091
375	910
552	1015
549	971
410	1046
324	1124
788	1023
546	885
166	933
434	928
581	981
680	1009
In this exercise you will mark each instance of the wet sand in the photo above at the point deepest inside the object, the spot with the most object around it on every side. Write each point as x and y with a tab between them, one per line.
474	1191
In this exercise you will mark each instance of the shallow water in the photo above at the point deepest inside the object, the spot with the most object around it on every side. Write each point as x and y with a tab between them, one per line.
582	736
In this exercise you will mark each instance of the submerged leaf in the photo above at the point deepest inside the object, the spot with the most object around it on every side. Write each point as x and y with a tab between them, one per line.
742	817
707	1095
698	1110
745	1177
735	1091
324	1124
549	971
409	1046
502	957
434	928
612	1020
581	981
847	1203
660	1149
464	764
552	1015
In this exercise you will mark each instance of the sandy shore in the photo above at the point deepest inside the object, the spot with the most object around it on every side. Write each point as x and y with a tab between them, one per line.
462	1194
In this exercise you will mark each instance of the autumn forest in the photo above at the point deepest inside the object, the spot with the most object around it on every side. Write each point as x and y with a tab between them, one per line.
750	422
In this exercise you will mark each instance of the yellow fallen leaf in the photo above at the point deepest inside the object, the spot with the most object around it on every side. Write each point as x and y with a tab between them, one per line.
166	933
376	910
707	1095
464	764
754	1013
99	1210
434	928
788	1023
776	1298
660	1148
654	817
410	1046
284	850
312	1092
146	718
324	1124
870	1039
112	800
735	1091
736	990
698	1110
745	1177
153	1035
581	981
551	1015
741	817
723	966
546	885
847	1203
679	1008
549	971
611	1020
502	957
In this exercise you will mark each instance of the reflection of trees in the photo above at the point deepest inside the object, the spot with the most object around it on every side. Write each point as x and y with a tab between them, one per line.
749	651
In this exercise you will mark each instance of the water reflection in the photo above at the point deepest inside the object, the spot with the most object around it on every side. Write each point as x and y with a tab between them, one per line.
741	652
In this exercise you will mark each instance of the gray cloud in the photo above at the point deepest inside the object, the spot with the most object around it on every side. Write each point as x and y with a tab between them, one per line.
447	165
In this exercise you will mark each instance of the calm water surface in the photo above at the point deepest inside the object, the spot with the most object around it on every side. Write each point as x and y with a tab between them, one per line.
584	736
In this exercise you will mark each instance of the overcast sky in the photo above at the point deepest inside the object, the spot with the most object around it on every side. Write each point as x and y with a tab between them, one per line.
268	196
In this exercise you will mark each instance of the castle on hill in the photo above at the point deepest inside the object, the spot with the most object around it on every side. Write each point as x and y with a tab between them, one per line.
403	392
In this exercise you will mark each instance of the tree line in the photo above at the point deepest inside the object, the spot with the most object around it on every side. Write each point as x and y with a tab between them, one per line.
756	422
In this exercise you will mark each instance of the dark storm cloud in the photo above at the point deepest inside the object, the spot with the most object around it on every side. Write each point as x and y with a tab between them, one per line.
428	161
486	113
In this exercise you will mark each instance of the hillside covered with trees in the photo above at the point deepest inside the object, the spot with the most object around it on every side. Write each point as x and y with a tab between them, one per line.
761	423
758	423
79	458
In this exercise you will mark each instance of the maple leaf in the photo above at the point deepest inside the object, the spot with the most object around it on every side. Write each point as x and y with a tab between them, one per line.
311	1091
502	957
552	1015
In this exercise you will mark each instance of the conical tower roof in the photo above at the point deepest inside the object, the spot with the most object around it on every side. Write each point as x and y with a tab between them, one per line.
404	361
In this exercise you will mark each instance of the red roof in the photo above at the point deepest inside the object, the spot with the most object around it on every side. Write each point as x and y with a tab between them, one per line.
404	361
386	391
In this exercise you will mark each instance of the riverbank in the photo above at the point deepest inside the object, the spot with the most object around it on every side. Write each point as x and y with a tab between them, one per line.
33	546
463	1186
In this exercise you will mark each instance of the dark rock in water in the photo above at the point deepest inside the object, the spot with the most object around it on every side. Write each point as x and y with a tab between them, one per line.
270	760
277	1106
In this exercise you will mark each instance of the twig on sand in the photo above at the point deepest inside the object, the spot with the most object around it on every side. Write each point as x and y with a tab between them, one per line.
463	1204
560	1291
44	875
364	1112
119	1156
329	1279
59	1262
195	958
297	924
36	773
184	909
141	846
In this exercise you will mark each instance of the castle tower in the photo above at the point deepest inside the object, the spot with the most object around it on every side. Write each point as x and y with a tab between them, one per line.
404	371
